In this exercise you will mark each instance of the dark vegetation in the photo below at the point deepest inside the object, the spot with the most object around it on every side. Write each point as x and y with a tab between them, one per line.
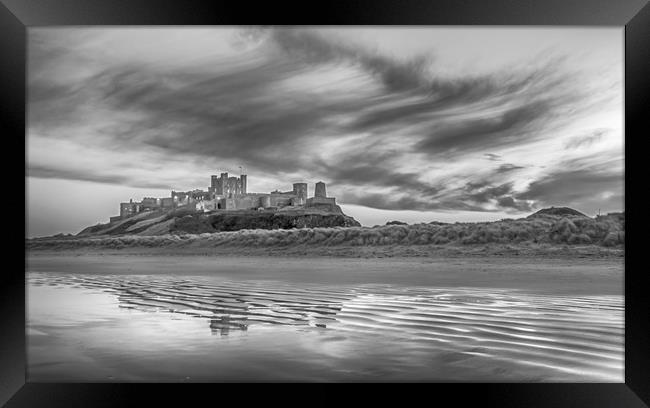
197	224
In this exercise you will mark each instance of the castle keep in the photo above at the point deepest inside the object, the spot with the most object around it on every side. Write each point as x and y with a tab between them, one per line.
231	193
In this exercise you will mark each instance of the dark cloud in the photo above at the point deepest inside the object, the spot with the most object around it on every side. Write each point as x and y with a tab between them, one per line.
368	169
34	170
572	185
510	202
508	167
53	106
536	93
408	202
583	189
434	101
406	189
476	185
229	116
487	193
311	48
500	195
238	113
586	140
509	126
241	112
492	157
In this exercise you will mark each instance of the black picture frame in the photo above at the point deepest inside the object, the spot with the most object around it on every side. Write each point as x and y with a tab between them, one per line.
17	15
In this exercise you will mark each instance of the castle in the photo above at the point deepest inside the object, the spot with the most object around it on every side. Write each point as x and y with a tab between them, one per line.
230	193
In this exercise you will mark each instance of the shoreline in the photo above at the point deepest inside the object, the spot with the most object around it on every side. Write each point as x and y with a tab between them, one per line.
577	276
365	252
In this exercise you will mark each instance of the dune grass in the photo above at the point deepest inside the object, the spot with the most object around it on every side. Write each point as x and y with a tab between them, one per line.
543	231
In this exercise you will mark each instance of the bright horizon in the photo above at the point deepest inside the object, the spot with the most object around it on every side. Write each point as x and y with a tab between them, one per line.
409	124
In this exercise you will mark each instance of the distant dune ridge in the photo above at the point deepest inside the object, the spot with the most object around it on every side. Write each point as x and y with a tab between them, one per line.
561	211
547	228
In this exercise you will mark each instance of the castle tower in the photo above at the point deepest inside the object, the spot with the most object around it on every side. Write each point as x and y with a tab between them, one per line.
244	183
320	190
300	189
215	185
224	184
220	184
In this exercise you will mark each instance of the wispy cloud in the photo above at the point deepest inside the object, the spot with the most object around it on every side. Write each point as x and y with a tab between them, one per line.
508	167
90	175
388	131
580	184
492	156
587	139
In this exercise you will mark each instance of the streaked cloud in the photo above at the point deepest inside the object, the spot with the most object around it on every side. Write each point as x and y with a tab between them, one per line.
586	140
388	127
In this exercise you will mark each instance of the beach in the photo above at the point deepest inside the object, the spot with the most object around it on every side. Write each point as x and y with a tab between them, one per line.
134	317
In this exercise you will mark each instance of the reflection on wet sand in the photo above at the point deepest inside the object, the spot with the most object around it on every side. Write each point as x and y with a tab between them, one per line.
578	337
223	325
227	306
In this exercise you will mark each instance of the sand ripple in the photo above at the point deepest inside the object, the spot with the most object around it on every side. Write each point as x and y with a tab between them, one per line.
580	336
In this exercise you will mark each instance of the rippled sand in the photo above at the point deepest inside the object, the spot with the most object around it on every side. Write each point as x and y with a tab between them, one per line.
117	327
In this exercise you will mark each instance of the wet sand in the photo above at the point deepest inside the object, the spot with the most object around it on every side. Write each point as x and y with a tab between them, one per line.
542	275
180	318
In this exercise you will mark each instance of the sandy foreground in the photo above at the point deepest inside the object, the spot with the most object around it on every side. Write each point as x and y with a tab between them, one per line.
130	316
563	275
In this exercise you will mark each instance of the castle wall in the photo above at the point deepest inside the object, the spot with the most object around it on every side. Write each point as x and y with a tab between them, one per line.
129	209
327	203
247	201
207	205
241	202
150	201
256	200
320	200
281	200
167	203
228	203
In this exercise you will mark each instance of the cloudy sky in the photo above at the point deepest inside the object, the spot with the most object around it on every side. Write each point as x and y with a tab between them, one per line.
402	123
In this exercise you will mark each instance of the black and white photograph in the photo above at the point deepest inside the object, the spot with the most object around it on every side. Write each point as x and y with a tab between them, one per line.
325	204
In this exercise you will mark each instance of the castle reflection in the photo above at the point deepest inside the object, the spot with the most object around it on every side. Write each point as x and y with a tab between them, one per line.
226	306
224	324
